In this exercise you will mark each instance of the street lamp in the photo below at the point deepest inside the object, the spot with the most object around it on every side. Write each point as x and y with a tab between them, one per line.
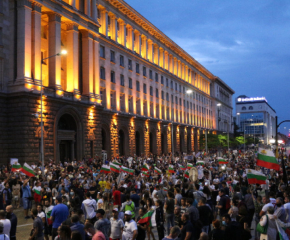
63	52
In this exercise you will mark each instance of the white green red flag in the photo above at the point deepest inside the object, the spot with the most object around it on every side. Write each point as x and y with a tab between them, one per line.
171	169
114	168
37	191
201	163
267	159
186	174
16	167
255	177
146	218
157	170
282	234
27	170
117	163
105	169
48	211
182	167
222	160
145	168
189	165
146	173
127	170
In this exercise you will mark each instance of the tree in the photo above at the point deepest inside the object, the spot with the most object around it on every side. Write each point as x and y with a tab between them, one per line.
212	141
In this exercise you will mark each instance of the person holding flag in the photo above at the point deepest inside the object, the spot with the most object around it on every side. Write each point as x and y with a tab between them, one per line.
37	193
26	197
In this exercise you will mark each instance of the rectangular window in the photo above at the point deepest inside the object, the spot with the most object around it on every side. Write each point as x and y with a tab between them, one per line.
162	95
122	81
176	100
112	76
137	86
156	77
102	52
157	93
167	97
144	88
176	89
102	73
144	71
167	82
172	101
130	67
150	74
171	84
130	83
151	91
179	88
183	89
162	80
122	60
180	102
137	68
112	56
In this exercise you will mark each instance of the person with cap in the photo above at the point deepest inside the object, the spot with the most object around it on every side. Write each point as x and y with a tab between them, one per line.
89	206
130	231
59	214
103	224
117	225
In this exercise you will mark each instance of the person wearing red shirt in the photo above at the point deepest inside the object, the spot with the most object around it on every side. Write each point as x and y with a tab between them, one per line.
116	196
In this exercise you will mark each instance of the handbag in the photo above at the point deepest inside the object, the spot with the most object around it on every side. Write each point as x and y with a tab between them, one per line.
264	229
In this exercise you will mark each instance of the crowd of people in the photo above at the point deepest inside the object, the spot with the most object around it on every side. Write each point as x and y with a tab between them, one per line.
183	197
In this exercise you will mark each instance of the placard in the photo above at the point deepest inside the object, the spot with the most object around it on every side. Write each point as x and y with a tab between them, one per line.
13	160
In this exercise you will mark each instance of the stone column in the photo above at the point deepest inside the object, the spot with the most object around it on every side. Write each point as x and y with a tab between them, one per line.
94	10
88	7
72	63
175	67
166	60
156	54
54	42
171	67
23	40
87	60
179	69
36	40
144	47
73	3
96	67
186	73
130	38
161	57
150	50
122	33
104	22
137	43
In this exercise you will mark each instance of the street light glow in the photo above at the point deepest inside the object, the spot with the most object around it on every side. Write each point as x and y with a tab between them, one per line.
189	91
63	52
219	104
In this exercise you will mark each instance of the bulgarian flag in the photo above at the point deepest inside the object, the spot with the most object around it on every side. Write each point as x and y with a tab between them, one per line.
157	170
267	159
48	214
16	167
189	165
105	169
171	169
37	191
117	163
114	168
145	168
27	170
281	231
222	161
127	170
186	174
200	163
182	168
146	173
255	177
165	189
146	218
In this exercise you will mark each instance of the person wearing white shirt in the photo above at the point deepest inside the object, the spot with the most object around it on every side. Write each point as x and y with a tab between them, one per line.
130	231
3	236
117	225
89	206
267	203
6	223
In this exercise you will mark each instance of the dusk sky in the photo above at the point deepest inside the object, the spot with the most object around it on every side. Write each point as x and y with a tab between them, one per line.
245	43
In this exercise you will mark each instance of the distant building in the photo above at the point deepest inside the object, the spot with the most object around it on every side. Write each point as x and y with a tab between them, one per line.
223	105
256	118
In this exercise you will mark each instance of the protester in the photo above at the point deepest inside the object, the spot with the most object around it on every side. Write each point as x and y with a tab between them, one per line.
6	223
130	231
174	233
76	226
13	220
103	224
117	225
270	221
37	231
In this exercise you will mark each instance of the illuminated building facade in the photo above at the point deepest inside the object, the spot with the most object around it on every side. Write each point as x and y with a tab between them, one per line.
256	118
122	87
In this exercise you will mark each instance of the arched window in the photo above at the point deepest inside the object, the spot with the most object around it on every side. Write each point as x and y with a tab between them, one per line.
251	108
244	108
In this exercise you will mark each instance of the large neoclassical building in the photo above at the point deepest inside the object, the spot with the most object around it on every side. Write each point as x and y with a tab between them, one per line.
122	87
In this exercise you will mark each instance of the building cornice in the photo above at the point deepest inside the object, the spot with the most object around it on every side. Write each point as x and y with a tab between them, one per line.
223	84
127	10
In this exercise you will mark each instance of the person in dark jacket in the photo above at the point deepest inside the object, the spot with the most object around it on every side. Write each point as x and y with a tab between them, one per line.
13	219
216	233
159	219
77	226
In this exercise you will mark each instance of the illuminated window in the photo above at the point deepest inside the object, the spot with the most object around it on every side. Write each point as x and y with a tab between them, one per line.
130	67
122	81
138	86
112	56
144	88
130	83
137	68
102	52
112	76
122	60
103	73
